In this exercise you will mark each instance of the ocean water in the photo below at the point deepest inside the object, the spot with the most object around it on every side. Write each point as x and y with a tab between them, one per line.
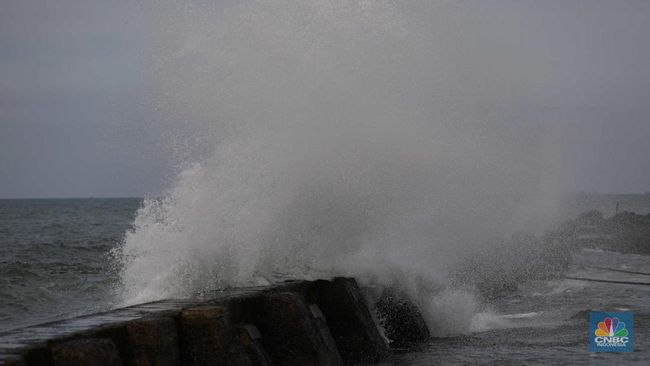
54	257
55	263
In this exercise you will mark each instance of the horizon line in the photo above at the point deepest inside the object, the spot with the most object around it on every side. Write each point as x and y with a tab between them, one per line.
160	195
74	197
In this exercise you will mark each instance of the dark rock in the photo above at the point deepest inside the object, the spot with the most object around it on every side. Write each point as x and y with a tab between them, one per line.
251	340
114	332
207	338
246	309
319	320
350	322
291	323
291	334
153	342
96	352
403	323
11	360
40	355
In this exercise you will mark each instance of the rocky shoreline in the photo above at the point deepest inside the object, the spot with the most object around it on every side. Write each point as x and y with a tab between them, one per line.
625	232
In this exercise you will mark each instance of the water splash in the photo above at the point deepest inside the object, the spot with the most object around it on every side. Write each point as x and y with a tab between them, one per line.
312	141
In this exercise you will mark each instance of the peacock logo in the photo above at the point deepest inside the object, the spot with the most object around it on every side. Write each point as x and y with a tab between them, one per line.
611	332
611	327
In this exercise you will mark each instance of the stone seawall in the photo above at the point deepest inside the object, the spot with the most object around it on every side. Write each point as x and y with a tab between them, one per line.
293	323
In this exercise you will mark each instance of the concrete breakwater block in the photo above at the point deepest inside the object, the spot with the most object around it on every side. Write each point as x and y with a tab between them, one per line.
292	323
292	335
207	337
251	339
268	328
28	353
350	322
98	351
153	342
11	360
401	319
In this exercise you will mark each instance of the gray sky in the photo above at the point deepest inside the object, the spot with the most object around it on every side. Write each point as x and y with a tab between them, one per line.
74	105
71	94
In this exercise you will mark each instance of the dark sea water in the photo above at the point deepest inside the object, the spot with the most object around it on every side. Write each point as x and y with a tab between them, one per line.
54	257
55	263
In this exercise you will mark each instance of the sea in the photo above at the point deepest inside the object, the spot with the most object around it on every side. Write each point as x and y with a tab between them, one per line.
56	263
55	257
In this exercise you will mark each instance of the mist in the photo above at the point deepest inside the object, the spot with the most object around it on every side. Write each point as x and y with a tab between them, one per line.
318	140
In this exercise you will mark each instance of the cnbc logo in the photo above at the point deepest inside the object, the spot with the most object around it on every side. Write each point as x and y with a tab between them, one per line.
611	332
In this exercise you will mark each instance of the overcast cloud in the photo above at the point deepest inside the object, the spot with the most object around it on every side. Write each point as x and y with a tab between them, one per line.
74	104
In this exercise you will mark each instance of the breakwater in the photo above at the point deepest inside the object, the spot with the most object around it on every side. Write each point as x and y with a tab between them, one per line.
292	323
